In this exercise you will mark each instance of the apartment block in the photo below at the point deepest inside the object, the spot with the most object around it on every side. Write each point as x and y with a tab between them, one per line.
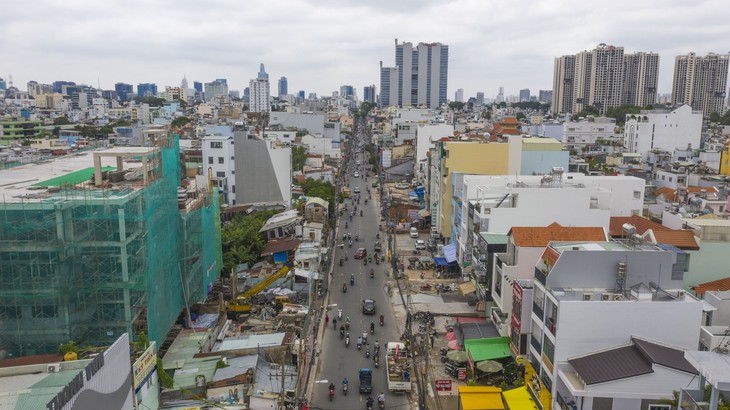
701	82
664	130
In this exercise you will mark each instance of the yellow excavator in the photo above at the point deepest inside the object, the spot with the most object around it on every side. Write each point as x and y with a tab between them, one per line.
242	303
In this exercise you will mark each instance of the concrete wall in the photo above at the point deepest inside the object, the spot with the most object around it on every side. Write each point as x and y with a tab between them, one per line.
313	123
541	162
263	172
663	130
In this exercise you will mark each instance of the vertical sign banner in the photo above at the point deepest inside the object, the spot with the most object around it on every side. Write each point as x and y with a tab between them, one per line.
143	367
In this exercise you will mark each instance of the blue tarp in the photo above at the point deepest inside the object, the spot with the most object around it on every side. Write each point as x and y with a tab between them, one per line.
440	261
280	257
450	252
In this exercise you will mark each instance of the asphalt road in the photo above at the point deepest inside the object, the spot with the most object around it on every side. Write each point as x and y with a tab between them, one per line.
337	360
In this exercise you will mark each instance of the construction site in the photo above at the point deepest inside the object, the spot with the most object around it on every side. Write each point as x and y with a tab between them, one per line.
99	243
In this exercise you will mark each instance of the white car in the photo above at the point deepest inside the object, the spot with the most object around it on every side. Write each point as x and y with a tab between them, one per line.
402	185
357	162
356	190
414	232
356	174
420	244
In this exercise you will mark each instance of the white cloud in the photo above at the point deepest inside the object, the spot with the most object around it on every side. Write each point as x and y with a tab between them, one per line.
320	45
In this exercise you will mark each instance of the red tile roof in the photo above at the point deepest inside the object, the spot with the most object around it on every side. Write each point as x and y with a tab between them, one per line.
510	120
719	285
540	236
682	239
671	194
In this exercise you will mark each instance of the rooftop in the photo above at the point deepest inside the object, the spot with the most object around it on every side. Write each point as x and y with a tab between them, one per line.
27	182
716	285
682	239
542	236
560	247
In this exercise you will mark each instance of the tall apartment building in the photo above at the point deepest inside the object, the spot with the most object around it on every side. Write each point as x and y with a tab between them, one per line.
422	74
480	99
640	79
545	96
368	93
600	78
259	95
283	87
701	82
525	95
459	95
215	89
388	86
145	89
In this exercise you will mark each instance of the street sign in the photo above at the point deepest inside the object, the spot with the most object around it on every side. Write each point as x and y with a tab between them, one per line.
443	384
462	373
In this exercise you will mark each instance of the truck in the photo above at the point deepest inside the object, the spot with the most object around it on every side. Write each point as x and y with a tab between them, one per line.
242	304
366	380
398	367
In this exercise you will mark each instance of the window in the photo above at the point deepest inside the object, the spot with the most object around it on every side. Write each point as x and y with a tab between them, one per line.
221	160
232	158
210	160
233	189
10	312
220	174
660	407
44	312
216	144
637	194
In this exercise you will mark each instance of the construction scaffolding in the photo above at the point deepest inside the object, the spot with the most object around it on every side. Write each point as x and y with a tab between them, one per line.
89	261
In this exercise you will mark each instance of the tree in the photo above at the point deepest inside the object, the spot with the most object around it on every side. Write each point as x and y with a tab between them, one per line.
320	189
180	122
715	117
241	240
456	105
619	113
487	114
298	157
151	101
61	121
520	116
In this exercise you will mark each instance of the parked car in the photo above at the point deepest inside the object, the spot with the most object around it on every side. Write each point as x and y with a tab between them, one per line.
414	232
356	190
361	253
356	174
420	244
402	185
368	307
431	243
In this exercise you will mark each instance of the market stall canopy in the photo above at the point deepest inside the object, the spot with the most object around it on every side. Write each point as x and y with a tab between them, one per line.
424	213
458	356
467	288
440	261
454	345
413	259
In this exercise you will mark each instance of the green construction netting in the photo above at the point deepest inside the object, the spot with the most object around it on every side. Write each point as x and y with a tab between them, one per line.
89	264
72	178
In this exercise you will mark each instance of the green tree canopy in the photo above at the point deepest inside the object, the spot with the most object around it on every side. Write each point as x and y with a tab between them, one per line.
320	189
456	105
241	239
619	113
298	157
180	122
520	116
61	121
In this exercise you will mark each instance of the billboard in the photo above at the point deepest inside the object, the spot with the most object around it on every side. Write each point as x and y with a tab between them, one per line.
144	367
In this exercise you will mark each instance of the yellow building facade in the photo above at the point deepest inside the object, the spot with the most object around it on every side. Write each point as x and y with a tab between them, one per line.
725	160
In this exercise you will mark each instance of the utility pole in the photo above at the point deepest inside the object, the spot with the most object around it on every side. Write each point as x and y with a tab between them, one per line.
282	394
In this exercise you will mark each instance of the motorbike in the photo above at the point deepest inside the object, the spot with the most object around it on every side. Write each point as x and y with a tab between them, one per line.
372	328
342	333
366	201
342	261
350	244
344	288
382	320
365	261
369	403
372	273
347	325
347	341
346	223
352	280
359	343
360	212
344	389
381	403
332	393
377	235
356	238
367	353
377	261
339	314
376	360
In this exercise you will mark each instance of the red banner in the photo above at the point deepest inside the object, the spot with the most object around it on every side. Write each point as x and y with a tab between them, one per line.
443	384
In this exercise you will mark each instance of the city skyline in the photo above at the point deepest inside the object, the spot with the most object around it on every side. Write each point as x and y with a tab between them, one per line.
102	44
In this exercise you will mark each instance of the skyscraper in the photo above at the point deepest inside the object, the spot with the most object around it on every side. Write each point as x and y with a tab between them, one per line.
388	86
214	89
524	95
480	99
262	73
545	96
3	84
283	87
198	86
123	90
146	89
422	75
368	93
640	79
603	78
700	82
347	91
459	95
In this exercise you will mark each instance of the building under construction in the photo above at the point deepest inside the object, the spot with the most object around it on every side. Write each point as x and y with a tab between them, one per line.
100	243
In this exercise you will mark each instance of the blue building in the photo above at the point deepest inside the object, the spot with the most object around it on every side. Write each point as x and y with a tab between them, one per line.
146	89
368	94
301	94
3	85
283	86
262	73
58	86
198	86
123	90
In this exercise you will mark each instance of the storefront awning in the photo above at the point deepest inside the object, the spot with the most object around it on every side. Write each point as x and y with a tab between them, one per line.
440	261
519	398
450	252
424	213
480	398
467	288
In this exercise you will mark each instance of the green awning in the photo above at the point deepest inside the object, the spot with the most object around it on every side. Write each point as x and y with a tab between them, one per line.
487	349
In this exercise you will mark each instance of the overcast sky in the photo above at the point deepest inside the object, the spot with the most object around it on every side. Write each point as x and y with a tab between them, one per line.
321	44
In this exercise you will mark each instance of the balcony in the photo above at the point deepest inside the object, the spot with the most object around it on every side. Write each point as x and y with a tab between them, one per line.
566	404
693	400
550	324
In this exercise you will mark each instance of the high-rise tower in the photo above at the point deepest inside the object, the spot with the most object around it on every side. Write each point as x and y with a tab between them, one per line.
700	82
422	74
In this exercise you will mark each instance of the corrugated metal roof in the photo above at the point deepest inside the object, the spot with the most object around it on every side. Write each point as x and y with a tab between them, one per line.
184	347
236	366
252	341
664	355
185	377
611	365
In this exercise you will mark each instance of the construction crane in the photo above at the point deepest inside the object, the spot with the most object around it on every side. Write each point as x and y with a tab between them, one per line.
242	304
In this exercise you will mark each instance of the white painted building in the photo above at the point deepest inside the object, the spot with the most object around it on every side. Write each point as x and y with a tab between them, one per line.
425	135
663	130
586	132
259	95
592	296
219	164
495	204
321	146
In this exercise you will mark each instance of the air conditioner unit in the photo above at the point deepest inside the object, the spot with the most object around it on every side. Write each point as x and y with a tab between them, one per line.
606	296
587	296
618	296
54	368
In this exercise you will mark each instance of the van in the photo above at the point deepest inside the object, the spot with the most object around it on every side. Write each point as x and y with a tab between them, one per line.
414	232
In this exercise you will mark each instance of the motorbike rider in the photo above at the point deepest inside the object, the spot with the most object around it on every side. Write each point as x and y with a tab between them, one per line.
382	320
372	327
352	279
369	402
344	383
381	398
332	388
